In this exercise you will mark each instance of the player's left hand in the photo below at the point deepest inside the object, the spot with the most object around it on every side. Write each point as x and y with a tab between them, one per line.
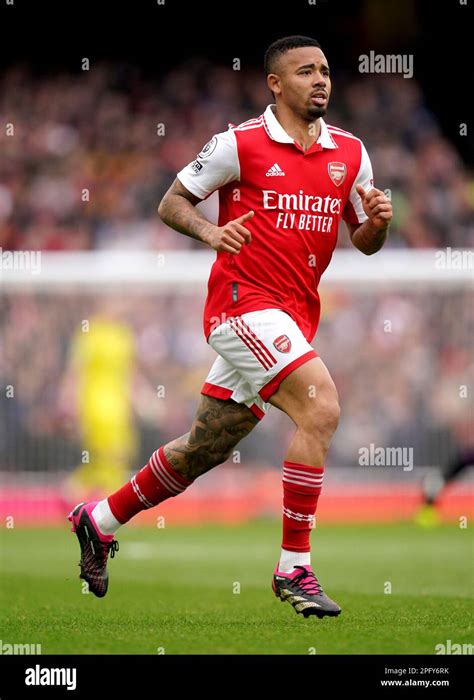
377	206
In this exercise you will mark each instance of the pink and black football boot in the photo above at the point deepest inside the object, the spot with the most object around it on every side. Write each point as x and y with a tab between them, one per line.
95	548
302	589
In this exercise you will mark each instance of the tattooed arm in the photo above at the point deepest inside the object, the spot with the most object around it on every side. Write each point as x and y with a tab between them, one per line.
178	210
217	427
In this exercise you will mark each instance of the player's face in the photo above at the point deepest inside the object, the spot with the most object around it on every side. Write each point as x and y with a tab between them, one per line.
303	81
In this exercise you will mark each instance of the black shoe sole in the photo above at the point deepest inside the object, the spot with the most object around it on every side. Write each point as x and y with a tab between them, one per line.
311	612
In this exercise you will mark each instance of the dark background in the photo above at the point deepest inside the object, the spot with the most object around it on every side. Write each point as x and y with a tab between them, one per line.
152	38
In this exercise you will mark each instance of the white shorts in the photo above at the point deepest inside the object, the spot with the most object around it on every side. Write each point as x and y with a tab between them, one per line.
257	350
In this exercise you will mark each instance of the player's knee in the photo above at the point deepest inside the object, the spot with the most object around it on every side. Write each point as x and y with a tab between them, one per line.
322	417
331	413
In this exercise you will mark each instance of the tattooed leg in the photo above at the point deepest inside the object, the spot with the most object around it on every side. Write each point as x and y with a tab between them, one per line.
217	427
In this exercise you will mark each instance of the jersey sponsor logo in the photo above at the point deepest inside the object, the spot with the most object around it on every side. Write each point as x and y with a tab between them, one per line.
337	172
282	343
196	166
303	212
274	171
209	148
301	202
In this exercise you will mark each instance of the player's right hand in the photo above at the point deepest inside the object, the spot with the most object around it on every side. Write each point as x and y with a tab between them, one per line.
231	237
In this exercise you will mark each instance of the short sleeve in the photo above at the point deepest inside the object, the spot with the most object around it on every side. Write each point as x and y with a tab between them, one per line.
354	212
215	165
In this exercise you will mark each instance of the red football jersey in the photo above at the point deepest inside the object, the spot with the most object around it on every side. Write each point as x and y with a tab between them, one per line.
298	198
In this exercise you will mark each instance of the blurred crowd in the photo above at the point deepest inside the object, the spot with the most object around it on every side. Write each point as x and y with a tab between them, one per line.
87	157
399	384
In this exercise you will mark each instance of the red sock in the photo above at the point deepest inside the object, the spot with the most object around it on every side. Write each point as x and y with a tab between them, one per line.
301	488
154	483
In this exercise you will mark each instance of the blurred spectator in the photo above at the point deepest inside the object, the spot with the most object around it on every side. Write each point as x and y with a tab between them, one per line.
398	384
87	165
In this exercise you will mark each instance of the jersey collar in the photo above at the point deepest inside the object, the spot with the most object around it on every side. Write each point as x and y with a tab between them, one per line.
277	133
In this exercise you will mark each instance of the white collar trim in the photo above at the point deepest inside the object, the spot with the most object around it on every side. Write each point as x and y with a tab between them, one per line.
277	132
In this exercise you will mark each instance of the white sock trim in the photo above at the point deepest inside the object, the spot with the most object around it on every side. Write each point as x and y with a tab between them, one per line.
288	560
105	519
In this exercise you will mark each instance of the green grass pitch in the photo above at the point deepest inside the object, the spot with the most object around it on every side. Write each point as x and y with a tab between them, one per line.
206	590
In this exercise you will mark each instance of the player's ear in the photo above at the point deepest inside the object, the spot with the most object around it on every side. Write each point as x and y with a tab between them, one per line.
273	82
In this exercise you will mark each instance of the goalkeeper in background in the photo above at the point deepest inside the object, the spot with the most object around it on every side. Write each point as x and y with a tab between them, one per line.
98	389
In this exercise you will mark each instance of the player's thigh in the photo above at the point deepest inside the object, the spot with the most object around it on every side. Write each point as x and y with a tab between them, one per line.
219	425
308	395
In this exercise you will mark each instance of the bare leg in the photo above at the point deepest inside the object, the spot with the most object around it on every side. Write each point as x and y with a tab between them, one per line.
309	397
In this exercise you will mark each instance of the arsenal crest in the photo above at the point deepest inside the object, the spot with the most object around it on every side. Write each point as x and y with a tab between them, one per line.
337	172
282	343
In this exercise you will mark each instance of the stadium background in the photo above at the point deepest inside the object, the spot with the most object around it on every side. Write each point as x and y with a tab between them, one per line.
96	129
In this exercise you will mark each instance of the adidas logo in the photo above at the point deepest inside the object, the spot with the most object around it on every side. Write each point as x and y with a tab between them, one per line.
274	171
